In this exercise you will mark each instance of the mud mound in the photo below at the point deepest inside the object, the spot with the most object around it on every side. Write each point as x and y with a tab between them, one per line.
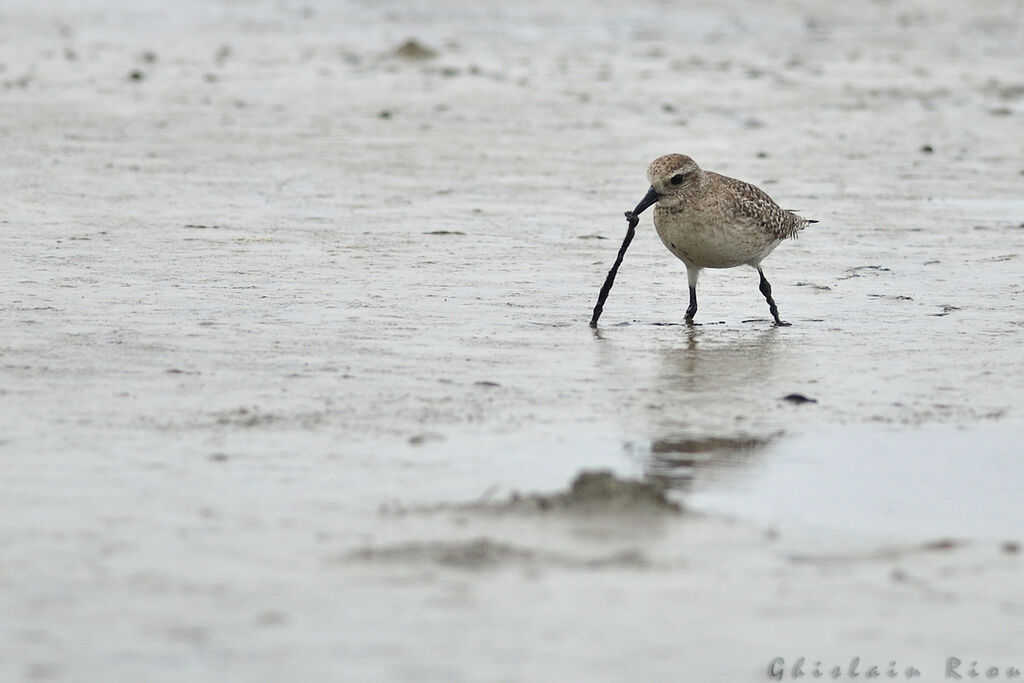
412	49
600	492
592	492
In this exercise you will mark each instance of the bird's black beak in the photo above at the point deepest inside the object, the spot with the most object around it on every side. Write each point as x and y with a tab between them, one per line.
651	197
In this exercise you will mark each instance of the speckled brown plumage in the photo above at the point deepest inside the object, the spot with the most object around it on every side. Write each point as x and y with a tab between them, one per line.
753	204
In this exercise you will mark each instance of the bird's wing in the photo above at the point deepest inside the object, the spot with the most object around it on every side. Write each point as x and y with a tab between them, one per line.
754	204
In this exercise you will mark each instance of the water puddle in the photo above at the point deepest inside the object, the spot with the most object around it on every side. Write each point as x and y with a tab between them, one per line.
904	485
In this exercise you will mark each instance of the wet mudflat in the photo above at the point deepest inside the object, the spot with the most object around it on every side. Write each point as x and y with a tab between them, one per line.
296	378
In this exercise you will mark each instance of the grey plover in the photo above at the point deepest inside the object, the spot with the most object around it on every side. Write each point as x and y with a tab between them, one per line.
709	220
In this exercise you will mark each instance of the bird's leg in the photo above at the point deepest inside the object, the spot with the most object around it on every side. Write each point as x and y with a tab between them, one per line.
766	289
692	309
692	274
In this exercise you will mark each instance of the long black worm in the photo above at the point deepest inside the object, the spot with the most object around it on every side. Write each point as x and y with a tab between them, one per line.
608	281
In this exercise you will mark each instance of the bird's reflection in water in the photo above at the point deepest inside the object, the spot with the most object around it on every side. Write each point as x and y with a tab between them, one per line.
711	415
717	360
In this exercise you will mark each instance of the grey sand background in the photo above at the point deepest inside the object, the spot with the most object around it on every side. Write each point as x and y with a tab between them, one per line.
271	285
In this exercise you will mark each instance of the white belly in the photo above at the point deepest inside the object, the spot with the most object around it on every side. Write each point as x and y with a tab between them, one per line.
711	244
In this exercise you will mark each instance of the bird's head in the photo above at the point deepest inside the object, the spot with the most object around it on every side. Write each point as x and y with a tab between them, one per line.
672	177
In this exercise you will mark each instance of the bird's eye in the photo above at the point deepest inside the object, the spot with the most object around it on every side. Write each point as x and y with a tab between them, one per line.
677	178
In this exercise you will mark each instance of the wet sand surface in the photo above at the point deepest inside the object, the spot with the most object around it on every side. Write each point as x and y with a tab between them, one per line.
296	378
